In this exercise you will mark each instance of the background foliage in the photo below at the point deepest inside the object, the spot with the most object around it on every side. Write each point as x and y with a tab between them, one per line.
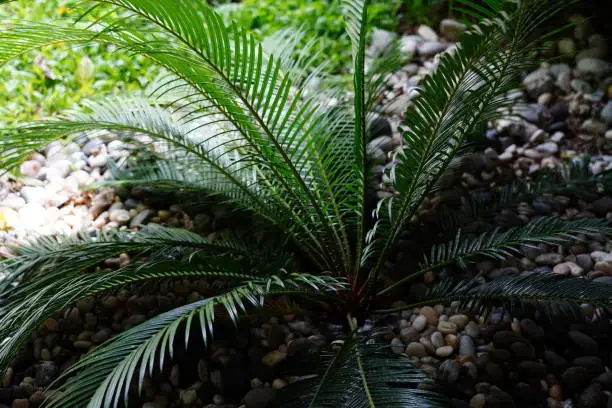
52	80
56	78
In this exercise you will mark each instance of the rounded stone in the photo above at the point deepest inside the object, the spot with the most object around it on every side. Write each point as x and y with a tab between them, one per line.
419	323
444	351
416	349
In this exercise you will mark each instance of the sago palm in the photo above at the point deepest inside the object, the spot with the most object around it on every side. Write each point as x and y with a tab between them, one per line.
231	121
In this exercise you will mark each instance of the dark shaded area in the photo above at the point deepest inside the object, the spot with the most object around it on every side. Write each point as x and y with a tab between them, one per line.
600	11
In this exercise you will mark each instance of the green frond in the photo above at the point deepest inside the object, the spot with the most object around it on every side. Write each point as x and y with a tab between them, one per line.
467	89
500	245
380	68
573	179
555	295
363	373
356	16
50	257
31	303
282	134
102	378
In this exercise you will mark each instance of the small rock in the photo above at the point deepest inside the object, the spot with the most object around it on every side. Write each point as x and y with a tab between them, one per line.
427	33
549	258
45	373
555	392
437	339
451	29
472	330
460	320
538	82
397	346
20	403
594	364
449	372
416	349
478	401
584	261
466	346
592	397
7	377
260	398
548	148
447	327
140	218
580	85
419	323
188	396
587	345
594	66
175	375
575	379
444	351
30	168
567	46
568	268
430	48
120	216
381	39
606	113
273	358
430	314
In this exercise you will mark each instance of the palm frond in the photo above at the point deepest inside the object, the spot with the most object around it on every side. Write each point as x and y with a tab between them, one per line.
500	245
103	377
363	373
552	294
52	257
574	179
467	88
30	304
281	133
356	16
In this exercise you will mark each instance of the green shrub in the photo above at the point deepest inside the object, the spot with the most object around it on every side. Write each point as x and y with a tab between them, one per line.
239	129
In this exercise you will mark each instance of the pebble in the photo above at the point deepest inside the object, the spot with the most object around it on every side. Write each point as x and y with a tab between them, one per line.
580	85
430	48
427	33
587	345
538	82
120	216
466	346
188	396
430	314
472	330
606	113
451	29
7	377
175	375
594	66
447	327
419	323
20	403
459	320
397	346
550	258
260	398
568	268
30	168
416	349
478	401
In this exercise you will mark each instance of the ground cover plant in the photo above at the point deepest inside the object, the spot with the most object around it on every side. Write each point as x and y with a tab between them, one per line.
234	122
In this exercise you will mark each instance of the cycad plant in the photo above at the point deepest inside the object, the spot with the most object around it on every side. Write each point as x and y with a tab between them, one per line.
233	121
